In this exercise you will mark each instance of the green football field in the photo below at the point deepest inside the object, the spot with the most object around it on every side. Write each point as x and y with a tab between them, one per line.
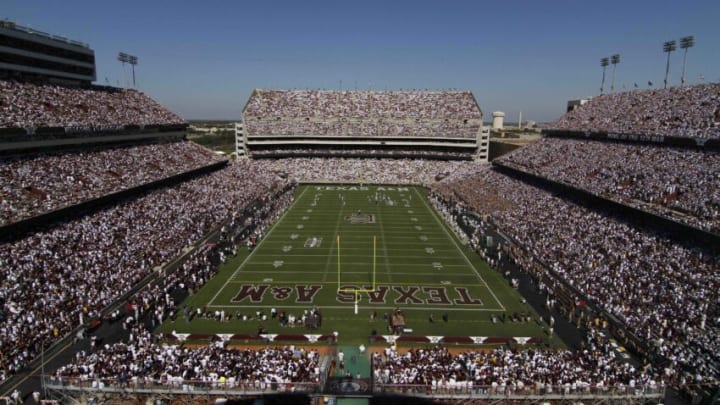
364	249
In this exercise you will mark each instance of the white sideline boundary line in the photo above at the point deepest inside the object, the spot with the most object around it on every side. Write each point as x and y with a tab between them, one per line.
462	252
255	249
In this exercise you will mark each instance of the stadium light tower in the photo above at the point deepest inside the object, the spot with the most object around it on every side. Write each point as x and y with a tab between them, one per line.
668	47
123	58
132	60
604	62
615	59
685	43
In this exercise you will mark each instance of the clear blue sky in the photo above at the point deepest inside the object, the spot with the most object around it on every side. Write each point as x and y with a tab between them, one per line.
203	58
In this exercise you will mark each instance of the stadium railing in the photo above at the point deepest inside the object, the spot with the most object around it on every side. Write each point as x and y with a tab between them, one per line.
38	134
189	387
546	392
678	141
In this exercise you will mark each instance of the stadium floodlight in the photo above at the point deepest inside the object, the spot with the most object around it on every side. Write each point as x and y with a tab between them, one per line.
132	60
685	43
604	62
123	58
615	59
668	47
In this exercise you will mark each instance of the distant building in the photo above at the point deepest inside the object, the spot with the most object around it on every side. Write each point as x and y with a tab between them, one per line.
26	53
498	118
574	104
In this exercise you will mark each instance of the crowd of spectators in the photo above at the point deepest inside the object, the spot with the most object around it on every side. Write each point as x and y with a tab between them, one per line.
679	183
692	111
142	361
361	104
34	105
362	113
519	371
363	127
404	152
40	183
368	171
158	298
665	293
58	278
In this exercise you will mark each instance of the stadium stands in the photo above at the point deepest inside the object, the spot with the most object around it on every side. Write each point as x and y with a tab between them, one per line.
688	112
362	127
349	152
203	263
376	171
36	105
508	371
62	276
44	182
363	104
279	122
141	361
679	183
665	293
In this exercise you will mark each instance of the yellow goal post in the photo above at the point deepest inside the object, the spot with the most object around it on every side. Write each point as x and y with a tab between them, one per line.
357	291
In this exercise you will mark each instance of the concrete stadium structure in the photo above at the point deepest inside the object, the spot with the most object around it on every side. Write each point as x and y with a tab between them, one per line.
281	123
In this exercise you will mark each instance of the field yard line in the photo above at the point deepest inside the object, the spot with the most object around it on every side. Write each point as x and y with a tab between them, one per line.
272	228
462	252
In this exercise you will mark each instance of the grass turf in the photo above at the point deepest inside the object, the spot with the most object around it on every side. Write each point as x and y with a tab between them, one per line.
419	265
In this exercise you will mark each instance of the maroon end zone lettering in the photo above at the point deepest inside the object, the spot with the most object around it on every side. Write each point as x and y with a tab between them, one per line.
281	293
377	296
255	293
465	298
436	296
345	296
306	293
408	295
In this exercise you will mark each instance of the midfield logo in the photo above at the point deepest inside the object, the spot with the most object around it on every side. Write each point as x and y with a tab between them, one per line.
383	294
361	218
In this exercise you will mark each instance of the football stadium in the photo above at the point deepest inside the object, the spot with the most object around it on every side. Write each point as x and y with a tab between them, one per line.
361	246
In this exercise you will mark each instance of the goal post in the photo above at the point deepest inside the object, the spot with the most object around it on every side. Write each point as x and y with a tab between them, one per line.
357	291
